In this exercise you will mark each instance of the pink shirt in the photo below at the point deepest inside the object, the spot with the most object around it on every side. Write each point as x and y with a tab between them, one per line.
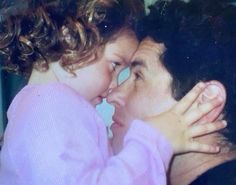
55	137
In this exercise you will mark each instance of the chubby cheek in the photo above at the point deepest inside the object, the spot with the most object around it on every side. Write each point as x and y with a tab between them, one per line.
103	81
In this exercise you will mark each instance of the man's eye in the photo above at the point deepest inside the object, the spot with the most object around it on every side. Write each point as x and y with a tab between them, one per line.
137	76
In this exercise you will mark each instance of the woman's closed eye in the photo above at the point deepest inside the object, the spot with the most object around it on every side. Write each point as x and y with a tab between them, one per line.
115	65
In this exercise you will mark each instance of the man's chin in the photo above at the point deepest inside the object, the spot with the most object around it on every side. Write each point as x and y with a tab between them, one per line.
116	145
117	138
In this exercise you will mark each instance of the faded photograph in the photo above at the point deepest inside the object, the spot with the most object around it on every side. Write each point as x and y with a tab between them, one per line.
127	92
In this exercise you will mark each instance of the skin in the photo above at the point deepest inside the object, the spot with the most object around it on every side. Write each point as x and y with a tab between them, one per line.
147	92
144	94
96	80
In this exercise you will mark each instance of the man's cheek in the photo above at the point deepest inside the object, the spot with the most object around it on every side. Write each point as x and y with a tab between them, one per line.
136	112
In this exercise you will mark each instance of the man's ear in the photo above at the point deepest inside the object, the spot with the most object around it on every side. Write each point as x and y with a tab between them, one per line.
213	89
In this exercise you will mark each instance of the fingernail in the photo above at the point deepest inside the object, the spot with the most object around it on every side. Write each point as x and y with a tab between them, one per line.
224	123
211	91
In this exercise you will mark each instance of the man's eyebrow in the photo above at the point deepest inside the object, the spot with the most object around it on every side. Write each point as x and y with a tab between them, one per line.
137	63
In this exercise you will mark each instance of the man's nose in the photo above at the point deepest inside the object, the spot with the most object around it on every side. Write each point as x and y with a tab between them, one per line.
116	97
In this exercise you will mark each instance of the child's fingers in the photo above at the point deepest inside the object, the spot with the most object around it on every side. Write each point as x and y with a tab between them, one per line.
194	115
193	107
189	98
199	147
199	130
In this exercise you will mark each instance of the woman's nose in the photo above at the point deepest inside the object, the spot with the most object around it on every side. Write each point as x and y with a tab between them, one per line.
113	84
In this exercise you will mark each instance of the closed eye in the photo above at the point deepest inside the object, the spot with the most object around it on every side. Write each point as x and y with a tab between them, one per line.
137	76
115	65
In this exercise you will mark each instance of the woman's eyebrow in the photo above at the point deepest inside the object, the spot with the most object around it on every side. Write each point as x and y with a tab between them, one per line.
120	56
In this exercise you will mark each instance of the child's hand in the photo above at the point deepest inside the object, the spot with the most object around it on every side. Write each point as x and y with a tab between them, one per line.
177	124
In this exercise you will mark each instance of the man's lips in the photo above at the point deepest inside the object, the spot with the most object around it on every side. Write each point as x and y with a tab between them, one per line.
115	127
116	123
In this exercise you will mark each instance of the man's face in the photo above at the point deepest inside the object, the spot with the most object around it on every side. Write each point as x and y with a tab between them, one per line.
146	92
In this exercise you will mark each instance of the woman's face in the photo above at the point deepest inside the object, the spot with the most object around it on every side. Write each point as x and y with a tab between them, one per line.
94	81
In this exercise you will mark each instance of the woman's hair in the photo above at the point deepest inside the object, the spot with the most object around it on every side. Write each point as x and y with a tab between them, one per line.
71	30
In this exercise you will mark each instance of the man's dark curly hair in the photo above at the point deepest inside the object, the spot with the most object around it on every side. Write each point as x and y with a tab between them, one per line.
200	40
70	30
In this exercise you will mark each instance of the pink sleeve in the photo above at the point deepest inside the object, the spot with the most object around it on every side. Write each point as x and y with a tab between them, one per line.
58	140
